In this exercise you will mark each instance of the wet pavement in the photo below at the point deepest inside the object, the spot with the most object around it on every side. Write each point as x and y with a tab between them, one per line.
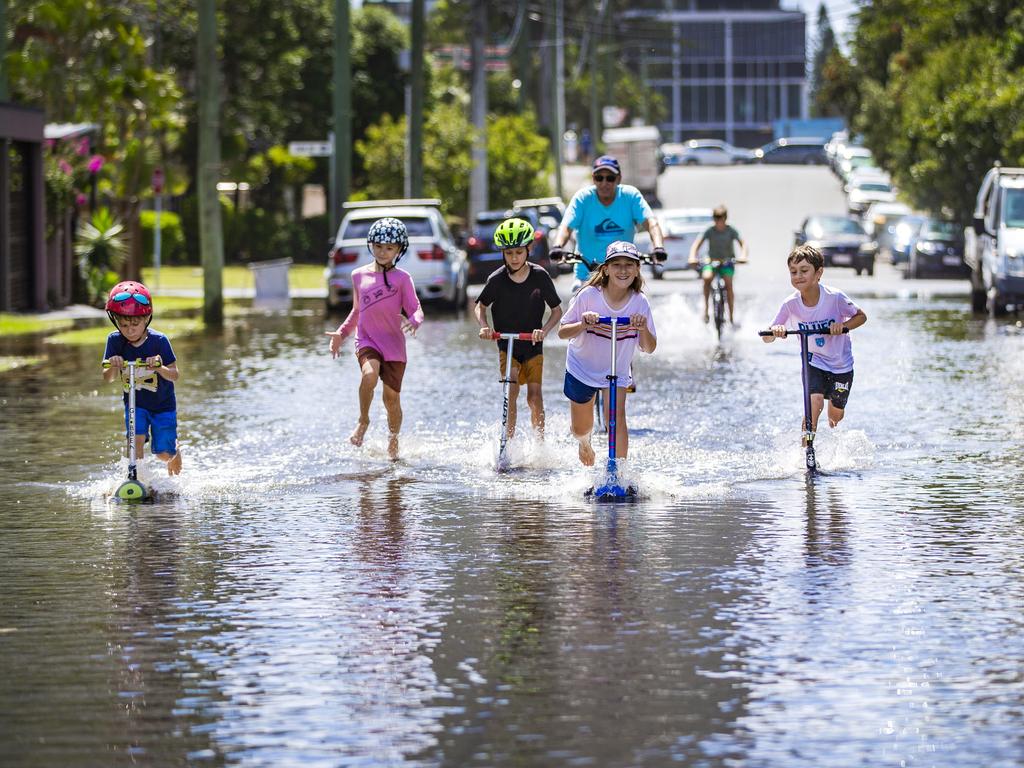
293	600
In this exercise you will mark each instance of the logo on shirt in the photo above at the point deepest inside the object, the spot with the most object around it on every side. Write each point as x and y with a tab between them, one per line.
148	381
377	293
817	325
609	227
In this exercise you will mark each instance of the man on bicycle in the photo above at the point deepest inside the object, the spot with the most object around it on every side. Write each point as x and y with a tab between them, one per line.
720	238
603	213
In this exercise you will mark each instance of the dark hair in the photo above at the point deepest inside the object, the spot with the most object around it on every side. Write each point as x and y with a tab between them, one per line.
720	212
807	253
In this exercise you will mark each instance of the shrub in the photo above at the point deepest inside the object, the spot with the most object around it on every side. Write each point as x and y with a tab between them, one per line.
172	238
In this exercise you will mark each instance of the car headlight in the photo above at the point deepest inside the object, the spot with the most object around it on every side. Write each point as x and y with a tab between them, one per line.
928	248
1012	253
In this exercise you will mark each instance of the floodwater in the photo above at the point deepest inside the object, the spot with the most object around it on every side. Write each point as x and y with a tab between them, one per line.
293	600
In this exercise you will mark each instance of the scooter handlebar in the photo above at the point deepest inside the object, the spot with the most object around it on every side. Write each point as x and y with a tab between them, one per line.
140	362
514	336
801	332
608	320
569	257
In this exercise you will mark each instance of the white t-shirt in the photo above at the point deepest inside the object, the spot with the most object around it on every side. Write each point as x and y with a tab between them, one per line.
589	355
829	353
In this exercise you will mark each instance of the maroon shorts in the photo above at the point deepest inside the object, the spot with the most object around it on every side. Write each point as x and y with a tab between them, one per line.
391	371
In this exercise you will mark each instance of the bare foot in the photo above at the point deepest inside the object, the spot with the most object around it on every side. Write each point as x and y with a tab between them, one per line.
586	453
174	464
356	438
393	447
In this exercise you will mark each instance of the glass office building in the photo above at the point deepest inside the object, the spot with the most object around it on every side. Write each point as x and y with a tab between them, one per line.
725	70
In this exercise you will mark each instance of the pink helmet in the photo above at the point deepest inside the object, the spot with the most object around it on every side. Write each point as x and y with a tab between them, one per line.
129	299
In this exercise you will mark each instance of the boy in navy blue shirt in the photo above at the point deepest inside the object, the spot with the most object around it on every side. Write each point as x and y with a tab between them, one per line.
130	309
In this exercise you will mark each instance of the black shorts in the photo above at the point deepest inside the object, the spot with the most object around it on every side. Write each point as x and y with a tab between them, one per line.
834	386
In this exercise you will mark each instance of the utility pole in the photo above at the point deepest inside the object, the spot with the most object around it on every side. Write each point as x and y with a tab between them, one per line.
3	50
341	159
211	236
558	113
595	107
415	116
523	63
478	97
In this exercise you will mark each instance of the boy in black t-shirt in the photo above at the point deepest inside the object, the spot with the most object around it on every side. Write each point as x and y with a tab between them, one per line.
517	294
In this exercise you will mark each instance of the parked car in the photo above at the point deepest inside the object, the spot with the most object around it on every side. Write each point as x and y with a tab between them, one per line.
853	159
867	187
904	232
834	145
880	222
550	211
936	248
995	242
841	240
704	152
798	151
680	226
438	267
484	257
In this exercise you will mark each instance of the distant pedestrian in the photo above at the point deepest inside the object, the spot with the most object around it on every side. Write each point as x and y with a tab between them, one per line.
380	294
586	145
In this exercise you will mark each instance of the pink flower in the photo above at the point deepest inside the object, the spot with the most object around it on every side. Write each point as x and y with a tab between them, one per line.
83	147
65	167
81	199
95	163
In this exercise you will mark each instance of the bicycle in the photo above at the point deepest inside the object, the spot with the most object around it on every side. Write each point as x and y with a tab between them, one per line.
718	297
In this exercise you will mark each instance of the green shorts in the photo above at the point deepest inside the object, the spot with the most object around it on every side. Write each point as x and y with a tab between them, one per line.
728	269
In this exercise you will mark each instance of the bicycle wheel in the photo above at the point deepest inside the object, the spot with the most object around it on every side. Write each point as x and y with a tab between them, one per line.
719	298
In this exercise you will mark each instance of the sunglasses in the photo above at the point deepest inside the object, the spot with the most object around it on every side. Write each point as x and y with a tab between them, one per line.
605	178
125	295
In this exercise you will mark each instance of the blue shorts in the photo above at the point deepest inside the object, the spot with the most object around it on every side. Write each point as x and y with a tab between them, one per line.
577	391
834	386
163	426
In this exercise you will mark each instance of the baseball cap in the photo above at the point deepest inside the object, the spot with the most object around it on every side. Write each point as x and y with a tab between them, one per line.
609	162
622	248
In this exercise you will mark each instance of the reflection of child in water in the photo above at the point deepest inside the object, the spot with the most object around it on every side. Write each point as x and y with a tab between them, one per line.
380	293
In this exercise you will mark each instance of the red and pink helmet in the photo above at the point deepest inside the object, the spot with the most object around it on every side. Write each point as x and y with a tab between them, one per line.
129	299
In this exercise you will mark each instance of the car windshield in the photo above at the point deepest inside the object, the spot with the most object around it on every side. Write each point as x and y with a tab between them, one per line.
939	230
833	225
875	186
861	161
1013	206
357	229
677	222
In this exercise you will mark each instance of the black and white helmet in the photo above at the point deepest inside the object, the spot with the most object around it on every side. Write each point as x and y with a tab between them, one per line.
388	230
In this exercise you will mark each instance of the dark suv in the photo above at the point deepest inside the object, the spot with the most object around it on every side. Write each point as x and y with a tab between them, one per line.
484	257
792	151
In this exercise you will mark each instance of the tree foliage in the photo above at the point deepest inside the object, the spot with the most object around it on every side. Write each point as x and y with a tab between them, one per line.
824	44
937	90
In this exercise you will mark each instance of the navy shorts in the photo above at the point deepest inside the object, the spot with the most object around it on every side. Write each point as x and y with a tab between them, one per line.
834	386
163	426
577	391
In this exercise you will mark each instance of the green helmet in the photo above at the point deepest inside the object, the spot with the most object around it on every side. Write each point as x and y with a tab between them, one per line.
513	233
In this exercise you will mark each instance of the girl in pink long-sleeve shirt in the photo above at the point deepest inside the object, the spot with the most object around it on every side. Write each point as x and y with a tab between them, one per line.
380	294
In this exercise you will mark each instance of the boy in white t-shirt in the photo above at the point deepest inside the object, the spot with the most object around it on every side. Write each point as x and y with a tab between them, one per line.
615	288
815	306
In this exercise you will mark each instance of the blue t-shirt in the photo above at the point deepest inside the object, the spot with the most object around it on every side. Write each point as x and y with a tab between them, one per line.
152	391
597	226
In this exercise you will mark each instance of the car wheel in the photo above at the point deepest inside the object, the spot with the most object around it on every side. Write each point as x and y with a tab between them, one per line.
857	271
978	300
871	270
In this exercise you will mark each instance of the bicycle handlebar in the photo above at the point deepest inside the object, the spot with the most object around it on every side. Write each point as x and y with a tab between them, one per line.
577	258
801	332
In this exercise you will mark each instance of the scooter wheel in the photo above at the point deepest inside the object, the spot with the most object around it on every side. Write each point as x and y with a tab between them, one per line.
131	490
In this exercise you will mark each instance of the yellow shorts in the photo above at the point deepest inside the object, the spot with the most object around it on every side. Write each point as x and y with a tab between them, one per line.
530	372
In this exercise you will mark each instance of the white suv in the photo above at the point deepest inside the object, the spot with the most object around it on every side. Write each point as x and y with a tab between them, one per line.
438	267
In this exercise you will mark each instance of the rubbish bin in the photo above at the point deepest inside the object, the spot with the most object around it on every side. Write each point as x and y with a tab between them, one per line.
271	278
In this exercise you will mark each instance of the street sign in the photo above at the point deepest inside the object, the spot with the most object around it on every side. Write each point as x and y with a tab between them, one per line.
310	148
158	181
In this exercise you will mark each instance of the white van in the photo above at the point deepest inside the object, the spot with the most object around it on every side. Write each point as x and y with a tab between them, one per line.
638	150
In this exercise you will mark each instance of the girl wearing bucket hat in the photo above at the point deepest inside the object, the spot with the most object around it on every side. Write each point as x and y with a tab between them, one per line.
615	288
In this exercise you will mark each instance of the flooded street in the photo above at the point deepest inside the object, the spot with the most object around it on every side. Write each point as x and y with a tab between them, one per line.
293	600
